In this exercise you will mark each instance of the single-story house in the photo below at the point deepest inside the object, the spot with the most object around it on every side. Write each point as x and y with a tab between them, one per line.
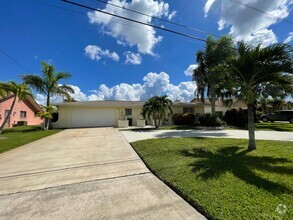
111	113
24	112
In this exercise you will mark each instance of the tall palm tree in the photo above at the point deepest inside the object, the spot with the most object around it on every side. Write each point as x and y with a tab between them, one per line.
209	74
200	75
48	83
256	65
19	91
156	108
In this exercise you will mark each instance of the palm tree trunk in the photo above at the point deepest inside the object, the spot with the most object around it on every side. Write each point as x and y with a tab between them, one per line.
251	133
6	119
47	120
213	99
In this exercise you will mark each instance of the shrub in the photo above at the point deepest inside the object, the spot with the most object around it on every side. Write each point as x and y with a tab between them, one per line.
184	119
209	120
236	117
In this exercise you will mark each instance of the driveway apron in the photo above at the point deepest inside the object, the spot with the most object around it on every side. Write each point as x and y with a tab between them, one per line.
90	173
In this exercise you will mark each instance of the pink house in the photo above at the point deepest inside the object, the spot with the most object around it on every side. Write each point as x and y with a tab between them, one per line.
23	111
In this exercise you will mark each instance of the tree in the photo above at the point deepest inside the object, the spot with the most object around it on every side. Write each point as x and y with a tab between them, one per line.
274	95
46	116
48	83
156	108
254	66
210	72
19	91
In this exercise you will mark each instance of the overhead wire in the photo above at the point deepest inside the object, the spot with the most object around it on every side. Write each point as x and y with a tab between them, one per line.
159	19
261	11
83	13
136	21
14	60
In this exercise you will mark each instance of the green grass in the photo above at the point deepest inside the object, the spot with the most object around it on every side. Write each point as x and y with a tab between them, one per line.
267	126
14	137
273	126
221	178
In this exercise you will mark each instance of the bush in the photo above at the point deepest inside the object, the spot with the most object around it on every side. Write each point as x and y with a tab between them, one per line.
236	117
184	119
209	120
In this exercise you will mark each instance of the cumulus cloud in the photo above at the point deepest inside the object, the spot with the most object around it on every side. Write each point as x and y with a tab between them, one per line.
190	69
133	58
78	95
96	53
153	84
129	33
289	38
246	23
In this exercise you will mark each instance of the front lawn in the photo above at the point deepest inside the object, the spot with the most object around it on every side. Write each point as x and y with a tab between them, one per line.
18	136
224	180
273	126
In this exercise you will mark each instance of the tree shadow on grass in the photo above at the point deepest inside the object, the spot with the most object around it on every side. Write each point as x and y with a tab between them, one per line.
212	164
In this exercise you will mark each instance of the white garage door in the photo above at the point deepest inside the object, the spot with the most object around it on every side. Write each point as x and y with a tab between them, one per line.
93	118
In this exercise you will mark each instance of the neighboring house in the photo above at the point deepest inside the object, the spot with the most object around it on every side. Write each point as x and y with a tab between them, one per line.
221	108
107	113
23	111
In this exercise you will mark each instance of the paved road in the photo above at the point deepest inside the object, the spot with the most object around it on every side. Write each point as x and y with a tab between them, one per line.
133	135
84	174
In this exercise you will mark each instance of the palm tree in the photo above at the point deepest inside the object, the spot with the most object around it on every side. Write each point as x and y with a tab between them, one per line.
200	75
46	116
19	91
254	66
210	74
156	108
48	83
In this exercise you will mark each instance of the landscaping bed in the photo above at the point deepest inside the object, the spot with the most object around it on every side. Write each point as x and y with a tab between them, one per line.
14	137
222	179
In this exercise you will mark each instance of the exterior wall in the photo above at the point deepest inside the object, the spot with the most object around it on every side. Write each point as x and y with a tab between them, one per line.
135	114
65	115
15	115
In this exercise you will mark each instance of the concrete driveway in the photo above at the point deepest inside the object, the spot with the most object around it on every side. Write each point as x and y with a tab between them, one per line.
84	174
136	135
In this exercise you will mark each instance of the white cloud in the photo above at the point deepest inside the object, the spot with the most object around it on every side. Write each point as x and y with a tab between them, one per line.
247	24
190	69
127	32
172	15
289	38
133	58
153	84
96	53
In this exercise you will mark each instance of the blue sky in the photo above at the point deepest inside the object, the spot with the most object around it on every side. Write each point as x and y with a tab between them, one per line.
114	59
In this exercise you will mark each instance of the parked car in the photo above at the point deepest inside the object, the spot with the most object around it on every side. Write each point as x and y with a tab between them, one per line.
283	115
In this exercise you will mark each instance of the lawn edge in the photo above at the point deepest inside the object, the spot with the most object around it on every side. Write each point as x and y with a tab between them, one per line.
197	207
17	147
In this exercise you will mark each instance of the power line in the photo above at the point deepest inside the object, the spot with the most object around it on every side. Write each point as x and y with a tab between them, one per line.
136	21
261	11
82	13
159	19
17	63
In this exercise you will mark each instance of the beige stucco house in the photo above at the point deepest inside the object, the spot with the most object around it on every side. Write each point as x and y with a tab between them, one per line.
116	113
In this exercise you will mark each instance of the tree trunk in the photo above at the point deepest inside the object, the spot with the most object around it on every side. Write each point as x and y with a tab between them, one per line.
251	133
213	99
6	119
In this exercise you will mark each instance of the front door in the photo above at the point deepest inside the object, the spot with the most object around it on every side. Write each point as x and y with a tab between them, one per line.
8	122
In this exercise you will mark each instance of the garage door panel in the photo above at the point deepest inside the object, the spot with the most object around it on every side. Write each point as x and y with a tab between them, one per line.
93	117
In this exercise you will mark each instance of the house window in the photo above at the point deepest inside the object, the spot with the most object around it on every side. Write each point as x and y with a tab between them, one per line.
23	114
188	110
128	111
